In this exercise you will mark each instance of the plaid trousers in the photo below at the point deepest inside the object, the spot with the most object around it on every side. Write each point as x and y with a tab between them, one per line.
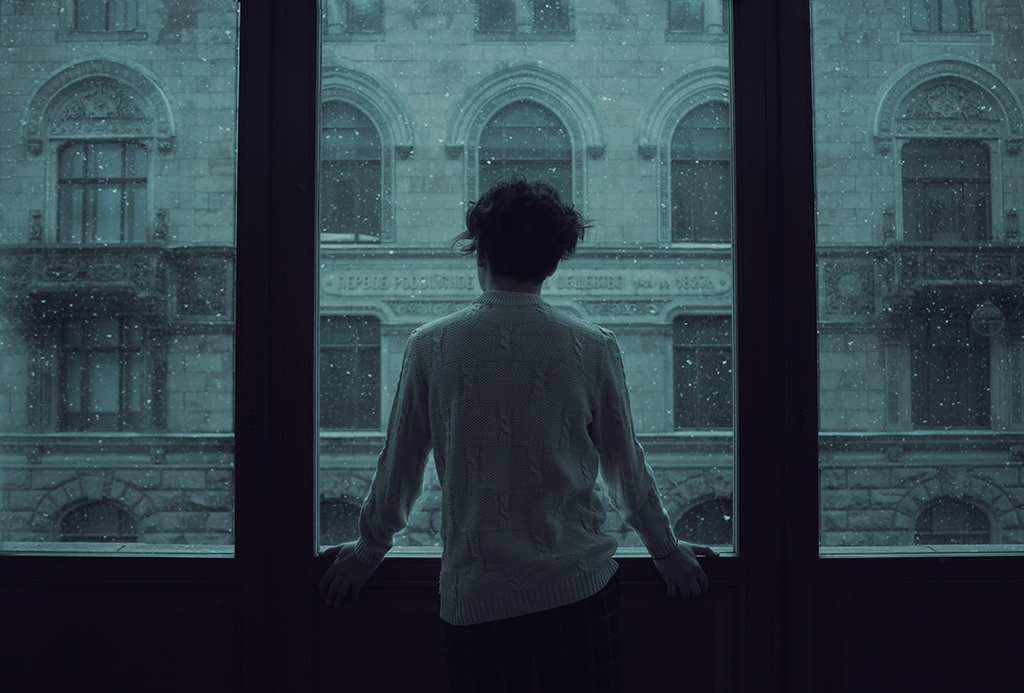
575	648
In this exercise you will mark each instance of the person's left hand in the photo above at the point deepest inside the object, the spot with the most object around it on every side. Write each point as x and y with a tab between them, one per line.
346	572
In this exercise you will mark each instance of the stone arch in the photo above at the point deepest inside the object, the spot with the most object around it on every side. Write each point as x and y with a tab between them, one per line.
948	97
370	94
702	485
710	499
707	82
99	97
85	487
536	81
991	499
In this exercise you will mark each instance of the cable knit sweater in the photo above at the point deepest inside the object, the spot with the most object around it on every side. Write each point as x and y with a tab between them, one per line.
522	405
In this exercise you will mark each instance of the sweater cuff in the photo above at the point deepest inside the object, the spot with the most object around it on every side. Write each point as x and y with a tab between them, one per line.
368	557
663	548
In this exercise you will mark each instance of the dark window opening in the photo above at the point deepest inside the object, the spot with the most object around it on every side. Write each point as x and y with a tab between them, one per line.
101	193
703	372
102	378
946	191
350	373
952	521
99	521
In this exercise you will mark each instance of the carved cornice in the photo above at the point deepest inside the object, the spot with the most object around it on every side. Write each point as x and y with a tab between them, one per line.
99	97
948	97
916	269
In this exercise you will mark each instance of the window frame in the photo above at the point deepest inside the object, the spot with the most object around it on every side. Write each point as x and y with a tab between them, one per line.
275	566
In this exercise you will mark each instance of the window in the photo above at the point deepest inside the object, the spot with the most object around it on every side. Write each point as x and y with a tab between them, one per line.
941	16
703	372
101	196
102	378
701	176
532	16
339	521
527	140
104	521
949	372
105	15
354	16
709	523
952	521
946	191
686	16
350	370
350	176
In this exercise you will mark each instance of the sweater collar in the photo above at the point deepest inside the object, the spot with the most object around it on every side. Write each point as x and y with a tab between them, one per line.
509	298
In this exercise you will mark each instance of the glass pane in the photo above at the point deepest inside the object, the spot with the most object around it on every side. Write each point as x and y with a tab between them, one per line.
406	144
920	345
117	336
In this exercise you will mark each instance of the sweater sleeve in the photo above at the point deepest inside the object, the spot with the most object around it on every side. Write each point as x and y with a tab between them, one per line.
626	474
398	480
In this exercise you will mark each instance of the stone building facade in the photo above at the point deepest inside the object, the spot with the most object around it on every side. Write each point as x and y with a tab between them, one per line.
625	108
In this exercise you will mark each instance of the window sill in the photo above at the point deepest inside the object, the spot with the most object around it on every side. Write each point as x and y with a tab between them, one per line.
92	549
526	37
71	36
696	37
980	38
354	37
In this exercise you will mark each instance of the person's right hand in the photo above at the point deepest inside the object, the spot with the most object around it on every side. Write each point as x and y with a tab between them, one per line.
681	571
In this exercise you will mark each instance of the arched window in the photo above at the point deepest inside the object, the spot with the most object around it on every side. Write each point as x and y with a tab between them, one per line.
101	192
701	177
952	521
350	176
708	523
98	521
339	521
947	191
526	139
349	372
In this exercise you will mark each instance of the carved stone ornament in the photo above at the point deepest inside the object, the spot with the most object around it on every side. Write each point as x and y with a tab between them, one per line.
948	97
949	100
634	308
849	288
426	308
100	100
99	97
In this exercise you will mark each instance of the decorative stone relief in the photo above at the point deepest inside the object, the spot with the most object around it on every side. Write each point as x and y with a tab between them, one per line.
99	97
426	308
638	308
949	98
848	288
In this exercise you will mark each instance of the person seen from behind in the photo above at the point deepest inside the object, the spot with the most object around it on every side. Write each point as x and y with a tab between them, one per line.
523	406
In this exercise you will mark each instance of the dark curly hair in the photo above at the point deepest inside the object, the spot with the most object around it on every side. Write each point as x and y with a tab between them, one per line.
523	228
